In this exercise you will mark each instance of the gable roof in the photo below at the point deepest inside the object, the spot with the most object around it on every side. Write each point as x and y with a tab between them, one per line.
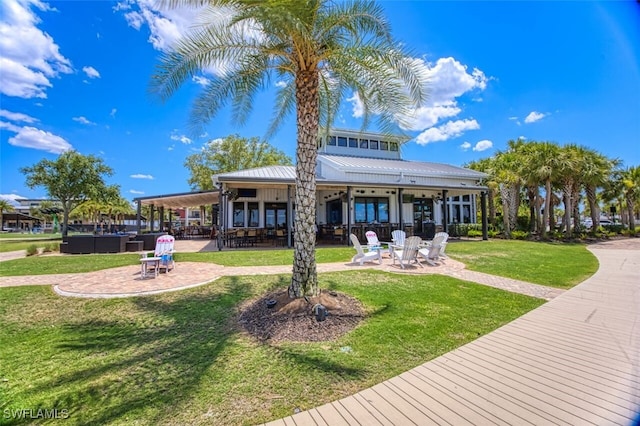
388	166
350	170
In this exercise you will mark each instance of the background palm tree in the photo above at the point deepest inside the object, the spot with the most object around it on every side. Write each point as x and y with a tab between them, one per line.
322	50
5	206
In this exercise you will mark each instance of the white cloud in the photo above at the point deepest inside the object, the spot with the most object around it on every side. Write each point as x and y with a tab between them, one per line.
113	112
12	198
465	146
29	57
141	176
30	137
83	120
133	191
483	145
451	129
534	116
17	116
281	84
356	105
91	72
182	138
448	80
202	81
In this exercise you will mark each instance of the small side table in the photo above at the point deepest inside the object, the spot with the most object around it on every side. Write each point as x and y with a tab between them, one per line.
146	262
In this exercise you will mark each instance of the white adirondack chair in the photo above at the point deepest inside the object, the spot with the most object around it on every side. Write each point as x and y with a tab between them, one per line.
431	253
361	256
409	252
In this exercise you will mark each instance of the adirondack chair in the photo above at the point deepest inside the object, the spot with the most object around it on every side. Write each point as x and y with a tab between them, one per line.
161	257
431	253
372	240
409	252
443	244
397	238
361	256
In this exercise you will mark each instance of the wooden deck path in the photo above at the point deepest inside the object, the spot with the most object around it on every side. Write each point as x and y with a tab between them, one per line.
573	361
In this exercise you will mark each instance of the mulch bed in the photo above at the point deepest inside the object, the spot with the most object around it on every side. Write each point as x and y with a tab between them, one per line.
294	320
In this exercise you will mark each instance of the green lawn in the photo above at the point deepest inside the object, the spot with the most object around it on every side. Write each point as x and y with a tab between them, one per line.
180	358
559	265
15	244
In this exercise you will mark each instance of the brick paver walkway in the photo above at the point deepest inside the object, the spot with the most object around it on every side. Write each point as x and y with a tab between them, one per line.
126	281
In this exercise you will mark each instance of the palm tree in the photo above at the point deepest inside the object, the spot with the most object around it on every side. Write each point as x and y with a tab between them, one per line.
506	173
595	171
321	50
5	205
630	178
543	165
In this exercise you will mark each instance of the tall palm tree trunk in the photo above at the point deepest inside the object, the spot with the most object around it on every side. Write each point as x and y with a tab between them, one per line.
566	197
593	205
547	208
305	278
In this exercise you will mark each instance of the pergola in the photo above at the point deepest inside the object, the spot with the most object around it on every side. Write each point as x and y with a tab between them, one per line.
18	218
172	202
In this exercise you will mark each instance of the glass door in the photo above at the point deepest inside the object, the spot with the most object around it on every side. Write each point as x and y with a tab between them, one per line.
423	224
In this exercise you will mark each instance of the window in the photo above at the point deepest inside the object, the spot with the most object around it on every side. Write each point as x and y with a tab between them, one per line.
371	209
254	215
373	144
342	141
238	215
364	143
393	146
384	146
332	140
247	193
275	215
353	143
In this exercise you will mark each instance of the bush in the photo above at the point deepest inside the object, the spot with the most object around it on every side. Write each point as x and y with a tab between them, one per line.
491	233
32	250
472	233
519	235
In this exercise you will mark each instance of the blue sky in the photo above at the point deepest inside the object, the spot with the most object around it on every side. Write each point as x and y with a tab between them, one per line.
75	75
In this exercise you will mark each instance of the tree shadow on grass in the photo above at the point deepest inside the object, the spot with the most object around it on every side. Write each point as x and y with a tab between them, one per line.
148	363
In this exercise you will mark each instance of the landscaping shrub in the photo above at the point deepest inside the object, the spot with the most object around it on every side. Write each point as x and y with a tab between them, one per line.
519	235
32	250
473	233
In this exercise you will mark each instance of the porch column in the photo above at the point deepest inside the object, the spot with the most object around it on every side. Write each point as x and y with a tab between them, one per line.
400	218
139	216
289	214
152	219
445	208
161	214
348	213
219	224
483	213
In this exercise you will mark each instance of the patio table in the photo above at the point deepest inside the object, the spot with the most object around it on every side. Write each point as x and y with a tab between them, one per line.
145	262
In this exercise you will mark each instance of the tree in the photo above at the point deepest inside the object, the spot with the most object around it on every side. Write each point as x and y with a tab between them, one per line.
230	154
71	179
319	49
630	179
5	205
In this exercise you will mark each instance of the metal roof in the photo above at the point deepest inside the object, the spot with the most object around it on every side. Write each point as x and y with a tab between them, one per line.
185	199
388	166
287	174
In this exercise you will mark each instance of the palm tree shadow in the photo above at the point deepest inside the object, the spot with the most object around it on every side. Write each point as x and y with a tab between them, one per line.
171	345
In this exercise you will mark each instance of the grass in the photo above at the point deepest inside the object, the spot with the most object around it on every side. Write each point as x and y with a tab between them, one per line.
266	257
40	265
24	242
179	358
560	265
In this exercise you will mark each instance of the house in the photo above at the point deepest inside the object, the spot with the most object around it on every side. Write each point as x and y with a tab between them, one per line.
362	182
